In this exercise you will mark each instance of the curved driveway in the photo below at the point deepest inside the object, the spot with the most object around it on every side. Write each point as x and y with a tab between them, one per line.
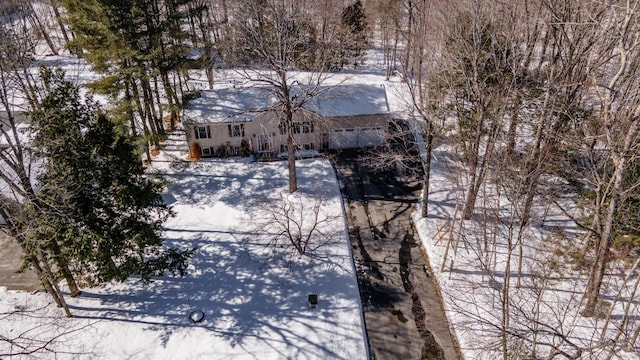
402	308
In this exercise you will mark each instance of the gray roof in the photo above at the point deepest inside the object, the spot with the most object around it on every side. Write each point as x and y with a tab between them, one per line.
349	100
228	104
235	104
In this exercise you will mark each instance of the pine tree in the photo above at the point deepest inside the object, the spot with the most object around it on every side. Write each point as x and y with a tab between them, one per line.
133	43
354	33
98	206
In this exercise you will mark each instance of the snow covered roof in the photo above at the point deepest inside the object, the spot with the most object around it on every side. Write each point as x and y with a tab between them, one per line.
241	104
350	100
228	104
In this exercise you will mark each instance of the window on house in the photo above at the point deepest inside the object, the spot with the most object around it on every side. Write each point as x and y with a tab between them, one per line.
308	146
302	127
307	127
283	148
203	132
236	130
206	151
283	127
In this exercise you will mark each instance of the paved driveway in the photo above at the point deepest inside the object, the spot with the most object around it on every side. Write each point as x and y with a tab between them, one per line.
402	309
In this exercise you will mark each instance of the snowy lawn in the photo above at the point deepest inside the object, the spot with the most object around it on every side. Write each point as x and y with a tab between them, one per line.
254	296
545	309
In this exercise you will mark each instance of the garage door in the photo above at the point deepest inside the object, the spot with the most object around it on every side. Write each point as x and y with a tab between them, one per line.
357	137
371	136
344	138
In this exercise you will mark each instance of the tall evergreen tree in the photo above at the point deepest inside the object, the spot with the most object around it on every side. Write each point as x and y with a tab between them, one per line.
98	206
354	33
133	43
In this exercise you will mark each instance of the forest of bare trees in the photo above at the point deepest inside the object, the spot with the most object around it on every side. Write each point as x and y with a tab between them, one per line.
539	100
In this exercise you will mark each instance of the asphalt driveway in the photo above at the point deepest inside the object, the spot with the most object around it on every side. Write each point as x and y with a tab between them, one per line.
402	308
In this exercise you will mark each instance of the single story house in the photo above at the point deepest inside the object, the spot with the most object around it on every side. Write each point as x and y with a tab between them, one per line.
233	120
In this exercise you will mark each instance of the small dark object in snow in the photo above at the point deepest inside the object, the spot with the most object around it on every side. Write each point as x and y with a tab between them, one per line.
196	316
313	300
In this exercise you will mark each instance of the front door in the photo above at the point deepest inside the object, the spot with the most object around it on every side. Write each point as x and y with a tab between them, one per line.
265	143
325	141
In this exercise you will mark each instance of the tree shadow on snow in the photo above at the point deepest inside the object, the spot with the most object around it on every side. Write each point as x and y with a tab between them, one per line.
247	293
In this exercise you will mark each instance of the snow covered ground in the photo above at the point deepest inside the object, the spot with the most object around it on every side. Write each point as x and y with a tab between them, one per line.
254	297
545	309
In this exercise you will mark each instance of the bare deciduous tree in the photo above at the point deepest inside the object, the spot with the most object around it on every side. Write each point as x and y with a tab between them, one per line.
618	92
44	339
298	221
281	39
16	159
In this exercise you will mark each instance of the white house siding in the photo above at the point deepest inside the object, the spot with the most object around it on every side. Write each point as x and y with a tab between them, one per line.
263	133
342	117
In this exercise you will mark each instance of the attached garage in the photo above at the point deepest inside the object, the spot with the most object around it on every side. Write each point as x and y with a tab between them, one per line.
344	138
370	136
357	137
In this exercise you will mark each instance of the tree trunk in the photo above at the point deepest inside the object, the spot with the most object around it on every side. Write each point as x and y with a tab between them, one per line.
208	68
293	178
172	98
44	32
409	38
156	93
427	171
147	134
130	114
602	252
287	109
63	30
63	266
479	171
506	288
152	118
51	278
511	133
